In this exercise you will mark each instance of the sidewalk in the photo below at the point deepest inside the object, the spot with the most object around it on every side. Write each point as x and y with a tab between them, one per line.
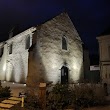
15	87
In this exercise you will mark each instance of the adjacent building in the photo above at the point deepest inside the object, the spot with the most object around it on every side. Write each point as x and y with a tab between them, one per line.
104	52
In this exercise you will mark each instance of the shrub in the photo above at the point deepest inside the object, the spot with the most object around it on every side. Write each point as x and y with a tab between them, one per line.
60	97
88	95
32	102
82	95
5	92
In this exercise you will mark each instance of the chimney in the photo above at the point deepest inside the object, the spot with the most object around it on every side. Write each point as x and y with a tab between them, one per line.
11	33
14	31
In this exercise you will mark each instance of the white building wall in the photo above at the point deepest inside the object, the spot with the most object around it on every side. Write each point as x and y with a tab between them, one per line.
16	64
3	63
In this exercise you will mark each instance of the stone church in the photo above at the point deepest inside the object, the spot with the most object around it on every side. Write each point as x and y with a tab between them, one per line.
50	52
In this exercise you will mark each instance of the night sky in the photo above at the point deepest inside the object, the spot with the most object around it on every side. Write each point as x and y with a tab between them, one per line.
90	17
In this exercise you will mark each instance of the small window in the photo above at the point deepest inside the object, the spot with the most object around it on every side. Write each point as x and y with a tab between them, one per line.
105	75
27	42
10	48
64	43
1	51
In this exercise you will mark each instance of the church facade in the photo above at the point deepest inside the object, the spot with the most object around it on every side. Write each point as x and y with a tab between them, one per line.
50	52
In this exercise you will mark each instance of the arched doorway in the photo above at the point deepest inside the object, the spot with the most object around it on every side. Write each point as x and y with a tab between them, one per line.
64	74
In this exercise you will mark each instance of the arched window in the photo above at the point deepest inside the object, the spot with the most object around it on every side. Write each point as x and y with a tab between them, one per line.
64	43
27	42
109	51
10	48
1	51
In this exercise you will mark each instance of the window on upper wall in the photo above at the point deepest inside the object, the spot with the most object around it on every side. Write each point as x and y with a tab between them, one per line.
1	51
109	51
10	48
64	43
27	42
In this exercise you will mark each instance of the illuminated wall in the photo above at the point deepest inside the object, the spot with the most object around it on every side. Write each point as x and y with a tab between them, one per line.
13	66
3	63
47	57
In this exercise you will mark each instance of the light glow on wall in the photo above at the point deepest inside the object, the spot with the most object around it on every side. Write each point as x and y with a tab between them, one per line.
52	67
3	63
9	71
76	68
4	67
14	66
53	63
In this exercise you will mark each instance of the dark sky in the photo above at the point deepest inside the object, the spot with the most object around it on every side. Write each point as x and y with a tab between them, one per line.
90	17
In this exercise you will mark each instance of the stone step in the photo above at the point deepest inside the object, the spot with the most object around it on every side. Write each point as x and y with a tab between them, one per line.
6	105
10	102
15	98
4	109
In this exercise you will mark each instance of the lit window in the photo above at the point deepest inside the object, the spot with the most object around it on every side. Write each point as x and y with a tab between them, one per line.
10	48
27	42
1	51
64	43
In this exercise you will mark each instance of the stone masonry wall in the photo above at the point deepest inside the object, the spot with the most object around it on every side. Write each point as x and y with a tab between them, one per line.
49	54
17	62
